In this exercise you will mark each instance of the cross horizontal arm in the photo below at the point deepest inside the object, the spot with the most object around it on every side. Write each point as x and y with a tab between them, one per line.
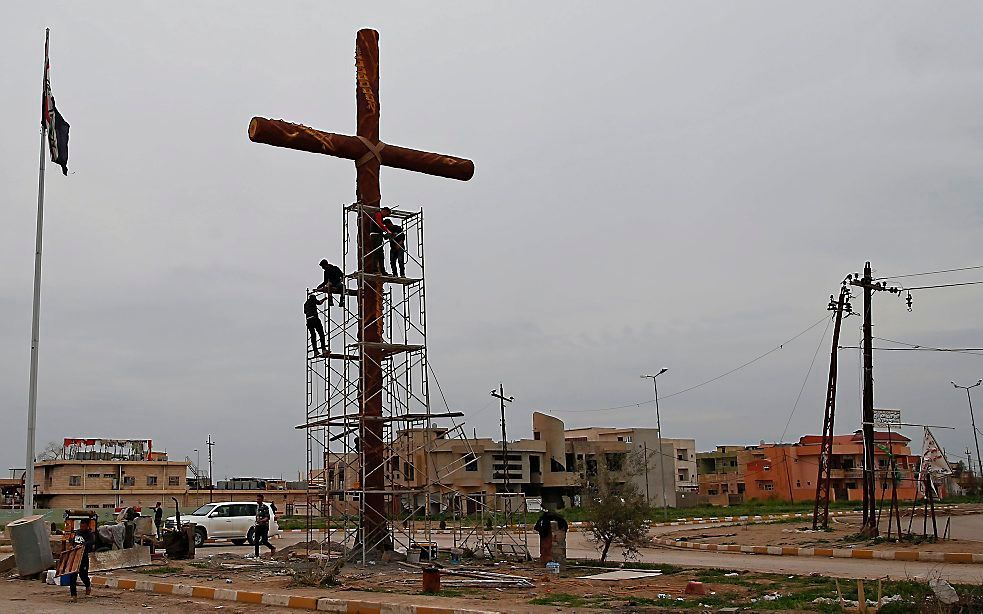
296	136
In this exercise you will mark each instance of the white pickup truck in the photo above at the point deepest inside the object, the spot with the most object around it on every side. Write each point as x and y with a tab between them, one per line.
232	520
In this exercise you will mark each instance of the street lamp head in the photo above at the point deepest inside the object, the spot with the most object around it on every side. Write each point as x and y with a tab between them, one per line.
664	369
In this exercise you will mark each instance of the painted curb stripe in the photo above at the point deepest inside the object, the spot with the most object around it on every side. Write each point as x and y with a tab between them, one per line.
323	604
840	553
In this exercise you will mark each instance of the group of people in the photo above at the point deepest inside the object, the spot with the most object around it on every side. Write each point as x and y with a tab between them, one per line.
334	278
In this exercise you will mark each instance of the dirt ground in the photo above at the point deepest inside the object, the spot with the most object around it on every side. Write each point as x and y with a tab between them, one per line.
842	534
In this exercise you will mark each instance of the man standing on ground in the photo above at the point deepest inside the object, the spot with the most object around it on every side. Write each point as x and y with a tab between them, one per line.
85	538
314	326
545	531
397	248
158	518
261	532
334	281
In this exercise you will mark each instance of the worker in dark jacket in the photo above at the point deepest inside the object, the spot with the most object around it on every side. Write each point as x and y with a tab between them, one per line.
334	282
379	230
261	531
397	248
86	538
314	326
158	518
545	531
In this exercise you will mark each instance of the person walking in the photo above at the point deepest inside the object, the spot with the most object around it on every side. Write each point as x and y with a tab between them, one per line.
397	248
314	326
334	282
261	532
85	538
159	519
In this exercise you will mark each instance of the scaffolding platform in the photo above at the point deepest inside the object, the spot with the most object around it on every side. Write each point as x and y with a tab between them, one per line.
389	279
389	348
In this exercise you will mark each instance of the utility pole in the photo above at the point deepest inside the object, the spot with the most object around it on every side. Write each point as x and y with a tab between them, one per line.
662	461
645	455
211	481
500	395
972	419
820	512
870	497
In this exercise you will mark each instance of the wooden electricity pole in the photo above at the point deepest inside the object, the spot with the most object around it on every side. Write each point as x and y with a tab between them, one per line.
820	512
500	395
868	284
369	155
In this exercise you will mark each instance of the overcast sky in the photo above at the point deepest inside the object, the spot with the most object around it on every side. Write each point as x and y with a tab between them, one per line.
676	185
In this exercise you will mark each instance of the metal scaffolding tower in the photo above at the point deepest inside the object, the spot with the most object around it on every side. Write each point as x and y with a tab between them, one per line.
337	463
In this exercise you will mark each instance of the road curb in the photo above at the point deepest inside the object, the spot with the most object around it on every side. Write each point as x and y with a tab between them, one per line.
838	553
318	604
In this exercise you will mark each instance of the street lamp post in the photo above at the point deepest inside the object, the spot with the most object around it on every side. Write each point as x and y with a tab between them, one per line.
658	425
972	420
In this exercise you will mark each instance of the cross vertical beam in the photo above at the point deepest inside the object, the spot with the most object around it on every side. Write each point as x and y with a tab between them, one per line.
370	288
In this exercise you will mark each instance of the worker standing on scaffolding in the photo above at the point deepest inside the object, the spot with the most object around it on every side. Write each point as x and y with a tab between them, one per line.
397	248
334	281
379	230
314	326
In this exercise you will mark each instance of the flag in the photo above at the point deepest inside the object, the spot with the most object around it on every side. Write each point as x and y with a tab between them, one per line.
933	463
52	121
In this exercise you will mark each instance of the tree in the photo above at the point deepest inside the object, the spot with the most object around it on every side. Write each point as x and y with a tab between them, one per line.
617	512
51	451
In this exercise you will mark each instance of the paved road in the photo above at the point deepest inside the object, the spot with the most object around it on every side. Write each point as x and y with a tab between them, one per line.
579	547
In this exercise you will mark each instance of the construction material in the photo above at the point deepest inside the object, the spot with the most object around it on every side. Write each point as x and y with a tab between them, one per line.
136	556
7	563
622	574
32	544
70	561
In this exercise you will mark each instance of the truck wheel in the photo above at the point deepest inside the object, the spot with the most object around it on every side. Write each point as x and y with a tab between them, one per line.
199	537
251	536
238	542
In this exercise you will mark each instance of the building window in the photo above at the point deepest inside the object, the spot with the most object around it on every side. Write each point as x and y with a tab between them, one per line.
798	484
75	480
733	462
109	475
621	438
627	438
534	464
471	463
712	491
615	462
173	480
129	480
537	435
740	488
682	477
681	454
151	480
571	462
93	476
409	471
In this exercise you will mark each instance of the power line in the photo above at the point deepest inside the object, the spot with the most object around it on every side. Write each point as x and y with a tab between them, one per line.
701	384
965	283
965	268
805	380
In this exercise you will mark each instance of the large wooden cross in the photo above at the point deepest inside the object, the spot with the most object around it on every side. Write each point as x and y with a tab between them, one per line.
369	154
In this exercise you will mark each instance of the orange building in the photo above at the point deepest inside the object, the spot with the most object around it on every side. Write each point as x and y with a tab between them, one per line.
788	471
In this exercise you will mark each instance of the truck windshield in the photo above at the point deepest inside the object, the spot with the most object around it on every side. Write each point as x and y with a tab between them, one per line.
203	510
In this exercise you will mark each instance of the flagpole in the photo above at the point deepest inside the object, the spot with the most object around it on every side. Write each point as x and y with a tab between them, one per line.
32	403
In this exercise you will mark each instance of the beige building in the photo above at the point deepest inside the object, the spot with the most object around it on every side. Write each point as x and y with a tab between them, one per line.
466	474
105	473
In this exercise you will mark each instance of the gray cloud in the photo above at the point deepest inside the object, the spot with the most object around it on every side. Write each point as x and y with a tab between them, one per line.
676	185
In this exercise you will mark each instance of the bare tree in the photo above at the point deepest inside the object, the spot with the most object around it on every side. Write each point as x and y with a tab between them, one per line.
50	452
